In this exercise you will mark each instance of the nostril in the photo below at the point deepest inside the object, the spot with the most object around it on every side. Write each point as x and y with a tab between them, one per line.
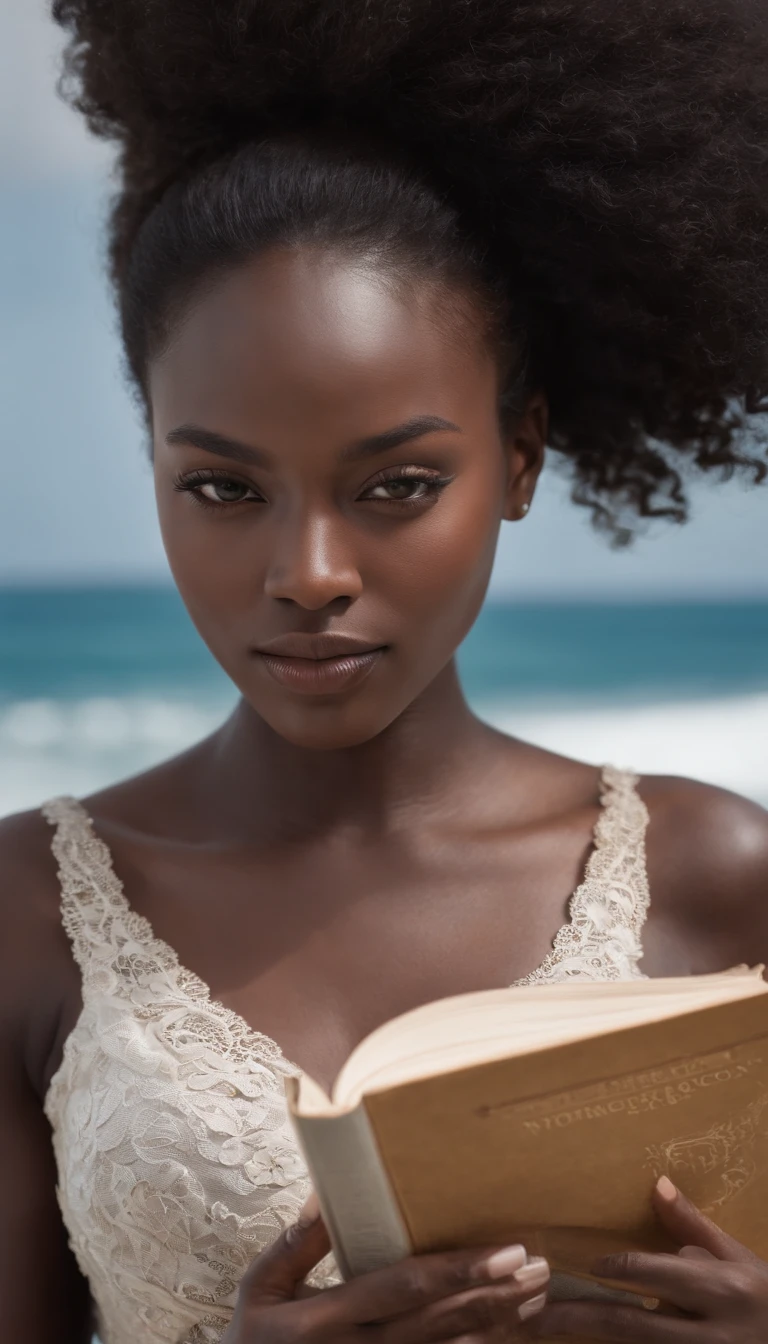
310	600
313	591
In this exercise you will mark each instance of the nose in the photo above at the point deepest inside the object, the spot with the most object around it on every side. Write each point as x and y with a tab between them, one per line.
311	564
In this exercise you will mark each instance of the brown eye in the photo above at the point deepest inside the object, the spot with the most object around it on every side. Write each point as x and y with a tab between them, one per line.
406	487
214	490
224	492
401	487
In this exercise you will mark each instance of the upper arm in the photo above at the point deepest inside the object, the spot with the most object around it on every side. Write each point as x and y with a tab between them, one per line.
708	873
43	1297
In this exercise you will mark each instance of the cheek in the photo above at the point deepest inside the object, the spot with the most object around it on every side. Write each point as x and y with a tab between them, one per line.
444	563
213	563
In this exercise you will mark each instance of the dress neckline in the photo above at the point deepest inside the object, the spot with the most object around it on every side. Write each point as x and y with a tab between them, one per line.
70	815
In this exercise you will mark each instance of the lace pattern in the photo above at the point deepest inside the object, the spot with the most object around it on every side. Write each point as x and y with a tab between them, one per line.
176	1159
177	1162
602	940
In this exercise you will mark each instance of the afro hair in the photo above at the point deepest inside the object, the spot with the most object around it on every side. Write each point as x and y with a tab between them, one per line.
612	154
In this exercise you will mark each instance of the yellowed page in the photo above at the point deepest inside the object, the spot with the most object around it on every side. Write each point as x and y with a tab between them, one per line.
469	1029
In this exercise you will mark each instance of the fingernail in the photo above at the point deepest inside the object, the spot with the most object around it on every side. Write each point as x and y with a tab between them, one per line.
503	1263
666	1189
533	1274
532	1306
309	1212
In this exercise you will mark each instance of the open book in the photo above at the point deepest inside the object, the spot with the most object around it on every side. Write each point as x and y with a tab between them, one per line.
545	1115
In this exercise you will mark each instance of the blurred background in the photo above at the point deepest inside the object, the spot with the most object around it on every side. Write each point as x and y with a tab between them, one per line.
656	658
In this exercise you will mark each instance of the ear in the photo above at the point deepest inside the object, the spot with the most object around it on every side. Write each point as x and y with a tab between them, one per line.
524	449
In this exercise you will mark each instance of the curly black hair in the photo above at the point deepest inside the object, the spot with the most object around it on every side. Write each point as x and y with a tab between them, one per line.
599	166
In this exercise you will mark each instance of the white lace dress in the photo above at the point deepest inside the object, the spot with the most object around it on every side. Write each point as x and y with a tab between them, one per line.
176	1159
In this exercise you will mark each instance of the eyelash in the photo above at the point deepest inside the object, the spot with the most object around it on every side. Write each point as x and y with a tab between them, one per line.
193	481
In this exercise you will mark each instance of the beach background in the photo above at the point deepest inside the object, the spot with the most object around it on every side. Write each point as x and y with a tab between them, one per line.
656	658
99	681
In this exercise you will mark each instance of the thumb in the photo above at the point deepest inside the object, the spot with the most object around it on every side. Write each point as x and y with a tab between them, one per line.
275	1274
691	1228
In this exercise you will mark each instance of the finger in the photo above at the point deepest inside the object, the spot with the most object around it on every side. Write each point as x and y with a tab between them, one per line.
691	1227
309	1211
305	1290
623	1325
696	1253
417	1281
276	1273
497	1308
689	1282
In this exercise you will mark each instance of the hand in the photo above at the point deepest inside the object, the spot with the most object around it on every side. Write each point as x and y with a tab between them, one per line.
478	1294
720	1285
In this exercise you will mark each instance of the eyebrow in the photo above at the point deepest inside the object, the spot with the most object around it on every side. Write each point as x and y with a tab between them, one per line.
195	436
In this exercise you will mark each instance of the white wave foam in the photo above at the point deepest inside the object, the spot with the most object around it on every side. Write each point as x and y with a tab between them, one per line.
49	747
54	746
104	724
722	742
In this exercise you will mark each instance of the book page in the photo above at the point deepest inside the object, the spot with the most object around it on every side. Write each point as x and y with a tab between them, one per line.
470	1029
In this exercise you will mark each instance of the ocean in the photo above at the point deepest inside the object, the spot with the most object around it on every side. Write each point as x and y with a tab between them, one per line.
99	682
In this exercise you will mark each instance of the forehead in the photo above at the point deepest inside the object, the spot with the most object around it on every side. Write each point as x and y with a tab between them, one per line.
298	337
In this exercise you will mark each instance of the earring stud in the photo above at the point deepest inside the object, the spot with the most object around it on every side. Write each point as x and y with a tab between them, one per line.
524	507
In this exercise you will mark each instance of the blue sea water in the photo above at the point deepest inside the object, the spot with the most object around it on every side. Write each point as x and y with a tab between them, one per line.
98	682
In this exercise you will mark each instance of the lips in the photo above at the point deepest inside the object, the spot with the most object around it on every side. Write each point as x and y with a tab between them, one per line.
319	664
316	646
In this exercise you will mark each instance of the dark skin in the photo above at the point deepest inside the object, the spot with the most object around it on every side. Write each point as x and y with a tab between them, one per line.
326	862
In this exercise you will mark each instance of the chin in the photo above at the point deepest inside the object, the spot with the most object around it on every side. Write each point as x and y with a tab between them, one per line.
326	727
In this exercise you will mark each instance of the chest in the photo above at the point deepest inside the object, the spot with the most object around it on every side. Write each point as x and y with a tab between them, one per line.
317	949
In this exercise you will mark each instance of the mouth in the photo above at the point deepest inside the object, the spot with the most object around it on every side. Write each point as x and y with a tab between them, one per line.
319	664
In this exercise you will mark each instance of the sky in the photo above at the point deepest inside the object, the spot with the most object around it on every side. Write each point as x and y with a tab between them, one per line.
78	505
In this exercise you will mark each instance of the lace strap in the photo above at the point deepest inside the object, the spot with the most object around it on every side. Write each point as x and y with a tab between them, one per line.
120	956
618	861
608	910
94	911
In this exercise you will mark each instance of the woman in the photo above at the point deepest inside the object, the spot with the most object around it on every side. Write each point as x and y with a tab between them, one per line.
369	261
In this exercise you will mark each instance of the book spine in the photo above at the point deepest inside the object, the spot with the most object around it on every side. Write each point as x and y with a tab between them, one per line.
360	1211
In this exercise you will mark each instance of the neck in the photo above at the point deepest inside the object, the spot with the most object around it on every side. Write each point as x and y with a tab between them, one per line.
395	780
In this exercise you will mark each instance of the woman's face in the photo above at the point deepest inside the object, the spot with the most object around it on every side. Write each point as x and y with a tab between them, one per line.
331	479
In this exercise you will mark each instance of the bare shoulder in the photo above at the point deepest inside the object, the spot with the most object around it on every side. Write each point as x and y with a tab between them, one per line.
708	870
28	879
709	833
40	989
36	968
